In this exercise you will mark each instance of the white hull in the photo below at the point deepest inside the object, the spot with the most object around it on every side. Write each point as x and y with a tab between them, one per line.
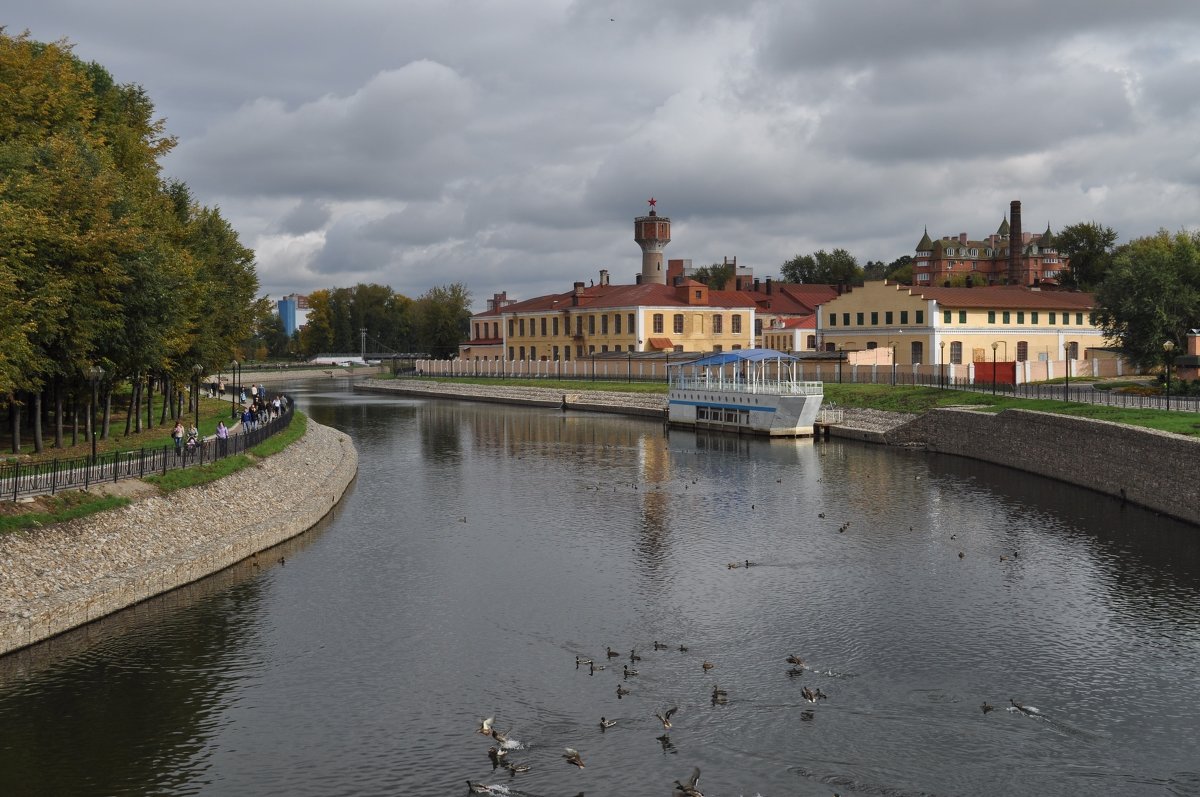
744	411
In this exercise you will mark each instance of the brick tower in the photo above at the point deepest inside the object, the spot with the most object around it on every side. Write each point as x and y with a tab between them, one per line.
652	232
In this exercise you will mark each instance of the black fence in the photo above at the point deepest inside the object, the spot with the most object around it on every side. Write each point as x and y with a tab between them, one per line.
41	478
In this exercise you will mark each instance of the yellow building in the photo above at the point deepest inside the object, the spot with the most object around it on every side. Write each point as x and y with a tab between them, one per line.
935	326
602	318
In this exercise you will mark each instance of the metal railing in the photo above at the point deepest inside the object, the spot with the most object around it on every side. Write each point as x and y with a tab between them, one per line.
40	478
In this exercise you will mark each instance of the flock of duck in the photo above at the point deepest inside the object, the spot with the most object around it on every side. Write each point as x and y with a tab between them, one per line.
498	753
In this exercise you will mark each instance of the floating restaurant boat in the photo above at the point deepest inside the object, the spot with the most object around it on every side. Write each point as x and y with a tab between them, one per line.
749	391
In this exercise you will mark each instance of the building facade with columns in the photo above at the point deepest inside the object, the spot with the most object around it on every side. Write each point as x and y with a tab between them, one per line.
934	326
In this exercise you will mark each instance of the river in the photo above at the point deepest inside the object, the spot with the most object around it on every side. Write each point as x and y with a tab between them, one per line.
484	547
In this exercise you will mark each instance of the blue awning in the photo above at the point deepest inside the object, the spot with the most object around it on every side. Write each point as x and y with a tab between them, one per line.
738	356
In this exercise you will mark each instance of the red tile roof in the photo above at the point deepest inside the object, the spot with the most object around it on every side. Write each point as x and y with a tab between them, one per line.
1004	296
661	343
621	296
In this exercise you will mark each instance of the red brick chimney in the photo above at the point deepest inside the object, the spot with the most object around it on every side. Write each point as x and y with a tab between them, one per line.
1015	244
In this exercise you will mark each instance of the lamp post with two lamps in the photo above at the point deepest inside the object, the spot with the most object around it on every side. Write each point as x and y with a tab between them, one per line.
1168	347
95	374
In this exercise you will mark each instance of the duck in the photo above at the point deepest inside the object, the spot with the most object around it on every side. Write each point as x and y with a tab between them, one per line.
502	738
719	692
593	667
665	717
580	660
628	672
572	756
749	563
496	754
708	665
794	659
794	671
633	656
683	648
986	707
621	691
612	654
734	565
961	554
688	788
605	724
477	788
514	769
812	695
1019	707
485	726
660	645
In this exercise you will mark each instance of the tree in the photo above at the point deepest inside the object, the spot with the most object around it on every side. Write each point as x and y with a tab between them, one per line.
1151	295
715	276
874	270
838	266
443	319
901	270
1089	248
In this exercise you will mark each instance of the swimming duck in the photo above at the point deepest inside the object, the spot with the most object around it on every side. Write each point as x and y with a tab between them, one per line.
748	563
572	756
660	645
605	724
593	667
621	691
734	565
1019	707
719	692
794	671
794	659
628	672
477	788
961	554
986	707
665	717
580	660
485	726
514	769
633	656
688	789
708	665
683	648
495	755
812	695
612	654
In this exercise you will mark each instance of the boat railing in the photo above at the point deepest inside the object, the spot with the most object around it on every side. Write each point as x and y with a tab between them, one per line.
769	387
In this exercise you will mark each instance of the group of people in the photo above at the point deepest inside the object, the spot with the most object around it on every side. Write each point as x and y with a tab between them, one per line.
257	409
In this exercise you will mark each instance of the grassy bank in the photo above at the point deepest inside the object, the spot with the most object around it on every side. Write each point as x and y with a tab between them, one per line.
905	398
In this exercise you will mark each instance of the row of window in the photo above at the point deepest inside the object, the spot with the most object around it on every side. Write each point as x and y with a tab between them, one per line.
888	318
520	353
549	327
723	415
1006	317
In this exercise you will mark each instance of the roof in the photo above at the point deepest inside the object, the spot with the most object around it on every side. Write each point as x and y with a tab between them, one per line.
1004	296
620	296
737	356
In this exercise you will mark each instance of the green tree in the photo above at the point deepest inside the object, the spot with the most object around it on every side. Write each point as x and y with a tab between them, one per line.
1151	295
823	267
1089	247
874	270
443	319
716	276
901	270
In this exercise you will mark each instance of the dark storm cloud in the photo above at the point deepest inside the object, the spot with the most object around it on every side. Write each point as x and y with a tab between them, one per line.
306	216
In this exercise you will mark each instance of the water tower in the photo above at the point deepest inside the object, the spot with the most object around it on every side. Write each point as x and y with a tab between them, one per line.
652	232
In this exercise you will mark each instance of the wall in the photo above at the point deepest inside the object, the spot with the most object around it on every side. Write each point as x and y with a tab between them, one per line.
1153	469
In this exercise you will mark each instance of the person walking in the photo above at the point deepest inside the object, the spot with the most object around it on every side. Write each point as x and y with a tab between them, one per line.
222	439
177	436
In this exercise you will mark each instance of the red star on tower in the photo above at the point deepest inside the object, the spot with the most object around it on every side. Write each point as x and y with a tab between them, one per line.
653	201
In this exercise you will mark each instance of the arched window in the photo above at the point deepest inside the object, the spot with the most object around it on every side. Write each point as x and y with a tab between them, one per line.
917	351
956	352
679	323
1022	351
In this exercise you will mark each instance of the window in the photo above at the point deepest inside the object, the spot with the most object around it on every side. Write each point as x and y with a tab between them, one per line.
578	325
603	348
1022	351
522	353
555	350
991	316
699	294
678	324
757	325
1066	319
811	343
833	319
1079	319
962	316
956	352
917	351
533	352
658	322
521	326
903	316
512	329
496	329
604	324
1020	316
717	347
1033	316
543	327
858	318
874	319
510	349
617	323
1053	315
887	317
554	326
718	324
1007	317
591	325
632	326
871	344
735	322
592	348
566	353
920	316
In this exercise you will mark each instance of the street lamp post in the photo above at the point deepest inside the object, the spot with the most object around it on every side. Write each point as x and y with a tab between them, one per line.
893	364
1067	371
841	358
196	371
942	363
1168	346
233	393
95	373
994	347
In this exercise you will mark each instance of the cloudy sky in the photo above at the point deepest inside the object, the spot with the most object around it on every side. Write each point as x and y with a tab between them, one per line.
509	144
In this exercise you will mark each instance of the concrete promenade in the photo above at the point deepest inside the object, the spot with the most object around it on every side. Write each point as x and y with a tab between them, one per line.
58	578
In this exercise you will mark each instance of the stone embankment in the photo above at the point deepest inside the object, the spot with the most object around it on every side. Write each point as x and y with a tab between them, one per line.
63	576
